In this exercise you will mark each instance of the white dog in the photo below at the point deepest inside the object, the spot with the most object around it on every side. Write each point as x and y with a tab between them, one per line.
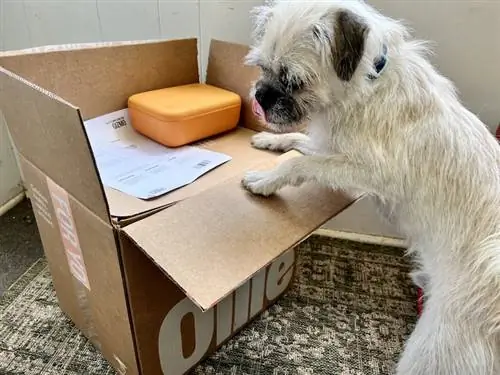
382	120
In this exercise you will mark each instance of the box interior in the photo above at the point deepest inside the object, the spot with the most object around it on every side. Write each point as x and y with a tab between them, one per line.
99	80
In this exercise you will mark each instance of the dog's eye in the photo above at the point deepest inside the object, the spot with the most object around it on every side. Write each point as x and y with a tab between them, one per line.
264	69
283	77
297	84
290	82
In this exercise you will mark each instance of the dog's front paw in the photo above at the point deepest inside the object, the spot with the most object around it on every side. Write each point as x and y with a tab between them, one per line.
266	141
259	183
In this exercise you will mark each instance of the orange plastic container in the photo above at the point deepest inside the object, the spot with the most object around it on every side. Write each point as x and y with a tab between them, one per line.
179	115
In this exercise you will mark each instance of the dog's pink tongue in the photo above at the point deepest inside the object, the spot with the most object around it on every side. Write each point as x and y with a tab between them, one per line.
257	110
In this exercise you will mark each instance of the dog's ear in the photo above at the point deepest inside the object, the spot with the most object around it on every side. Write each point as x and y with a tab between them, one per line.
349	43
260	16
346	36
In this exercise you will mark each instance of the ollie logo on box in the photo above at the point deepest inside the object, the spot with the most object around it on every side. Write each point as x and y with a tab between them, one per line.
221	322
69	236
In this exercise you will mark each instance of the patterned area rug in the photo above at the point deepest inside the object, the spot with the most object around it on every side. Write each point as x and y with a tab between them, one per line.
349	311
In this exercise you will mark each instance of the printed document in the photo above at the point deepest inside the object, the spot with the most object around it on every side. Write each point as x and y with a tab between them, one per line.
138	166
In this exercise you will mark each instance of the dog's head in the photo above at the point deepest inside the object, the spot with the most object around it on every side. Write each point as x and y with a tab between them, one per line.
310	55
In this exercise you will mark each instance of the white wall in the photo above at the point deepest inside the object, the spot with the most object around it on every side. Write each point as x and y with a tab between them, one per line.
466	36
467	32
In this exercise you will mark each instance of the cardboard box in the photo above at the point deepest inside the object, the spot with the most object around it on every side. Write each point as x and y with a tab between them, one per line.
156	285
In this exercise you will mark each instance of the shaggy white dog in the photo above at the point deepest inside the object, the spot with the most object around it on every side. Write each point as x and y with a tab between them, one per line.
381	119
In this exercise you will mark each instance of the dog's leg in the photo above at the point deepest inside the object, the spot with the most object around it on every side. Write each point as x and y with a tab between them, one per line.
443	345
283	142
333	171
387	211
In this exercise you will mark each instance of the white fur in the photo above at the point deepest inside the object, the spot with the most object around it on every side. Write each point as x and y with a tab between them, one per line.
435	168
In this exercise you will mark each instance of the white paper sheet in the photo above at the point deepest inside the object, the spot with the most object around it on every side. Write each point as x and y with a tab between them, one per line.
138	166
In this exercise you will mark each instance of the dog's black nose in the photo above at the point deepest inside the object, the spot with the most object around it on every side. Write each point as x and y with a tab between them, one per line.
267	96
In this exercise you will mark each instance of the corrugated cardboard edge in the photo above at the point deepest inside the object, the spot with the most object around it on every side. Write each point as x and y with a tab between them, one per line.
122	222
81	46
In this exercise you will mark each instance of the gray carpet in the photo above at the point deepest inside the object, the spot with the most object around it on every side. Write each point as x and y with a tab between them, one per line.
20	244
348	313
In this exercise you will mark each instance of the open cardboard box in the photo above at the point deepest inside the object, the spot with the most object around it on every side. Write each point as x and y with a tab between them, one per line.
156	285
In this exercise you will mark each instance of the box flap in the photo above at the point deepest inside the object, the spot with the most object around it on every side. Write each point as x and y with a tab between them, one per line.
235	144
226	69
100	77
212	243
48	131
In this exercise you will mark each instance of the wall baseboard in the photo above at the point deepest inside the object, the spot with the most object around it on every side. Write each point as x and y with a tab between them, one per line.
4	208
365	238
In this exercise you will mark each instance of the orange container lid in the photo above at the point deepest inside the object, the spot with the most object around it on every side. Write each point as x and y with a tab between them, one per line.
182	102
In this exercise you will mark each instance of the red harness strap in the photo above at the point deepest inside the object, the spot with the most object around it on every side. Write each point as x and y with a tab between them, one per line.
420	301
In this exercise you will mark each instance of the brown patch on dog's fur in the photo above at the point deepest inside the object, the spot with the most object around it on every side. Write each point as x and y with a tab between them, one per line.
349	36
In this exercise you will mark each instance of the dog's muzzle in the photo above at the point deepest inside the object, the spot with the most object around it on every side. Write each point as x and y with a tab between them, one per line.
276	105
268	96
